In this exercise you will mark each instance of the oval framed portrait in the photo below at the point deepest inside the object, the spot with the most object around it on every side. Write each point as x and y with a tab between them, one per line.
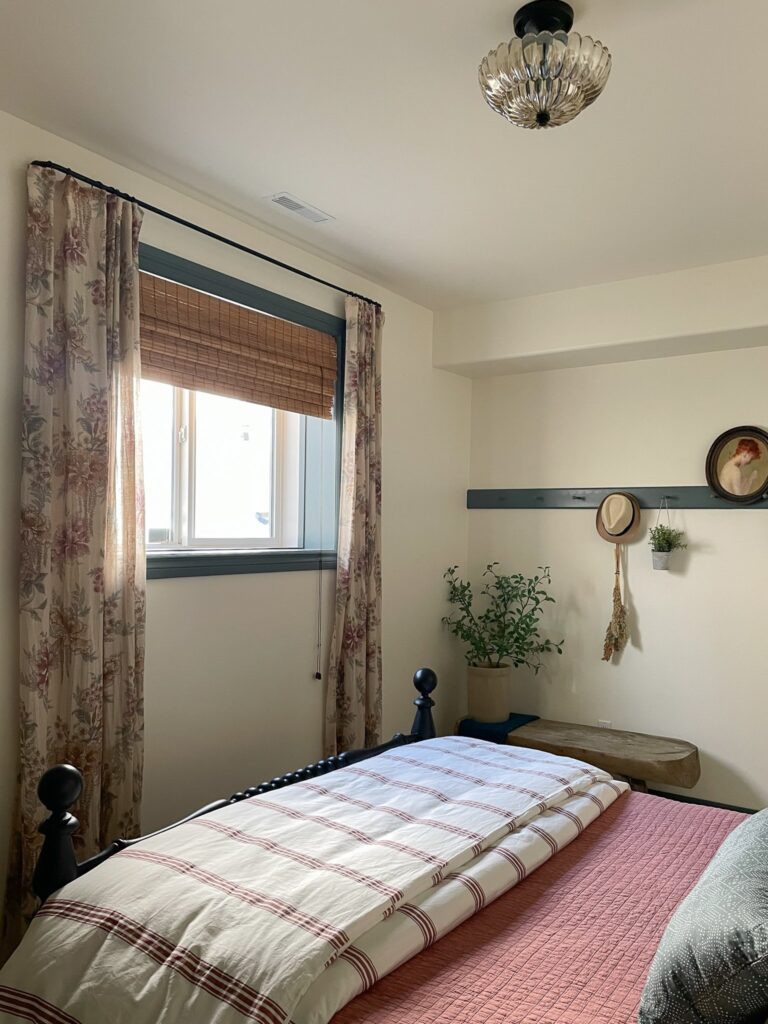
737	465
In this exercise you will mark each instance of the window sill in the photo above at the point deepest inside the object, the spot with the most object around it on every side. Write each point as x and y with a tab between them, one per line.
163	565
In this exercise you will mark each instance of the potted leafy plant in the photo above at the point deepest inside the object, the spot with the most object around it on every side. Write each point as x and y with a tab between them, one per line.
664	540
501	635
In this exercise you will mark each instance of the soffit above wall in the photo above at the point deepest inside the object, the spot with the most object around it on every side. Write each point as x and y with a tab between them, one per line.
707	309
373	113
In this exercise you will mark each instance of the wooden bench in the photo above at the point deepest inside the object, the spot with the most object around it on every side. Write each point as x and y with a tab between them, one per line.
637	757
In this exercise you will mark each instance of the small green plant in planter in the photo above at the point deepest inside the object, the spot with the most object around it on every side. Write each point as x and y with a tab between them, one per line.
664	540
502	635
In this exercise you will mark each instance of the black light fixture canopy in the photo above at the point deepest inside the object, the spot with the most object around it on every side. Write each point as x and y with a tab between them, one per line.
544	16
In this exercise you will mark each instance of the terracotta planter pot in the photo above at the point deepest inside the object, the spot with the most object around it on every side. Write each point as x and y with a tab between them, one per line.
488	692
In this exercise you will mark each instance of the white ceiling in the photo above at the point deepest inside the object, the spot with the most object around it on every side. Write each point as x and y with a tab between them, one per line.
371	111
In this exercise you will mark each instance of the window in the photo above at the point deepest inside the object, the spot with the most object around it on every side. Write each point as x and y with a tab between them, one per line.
219	472
231	484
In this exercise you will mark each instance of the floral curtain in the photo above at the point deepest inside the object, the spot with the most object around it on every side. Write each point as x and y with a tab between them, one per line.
82	581
353	701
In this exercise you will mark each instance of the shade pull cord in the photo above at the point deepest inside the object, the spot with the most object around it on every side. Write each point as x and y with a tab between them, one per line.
319	645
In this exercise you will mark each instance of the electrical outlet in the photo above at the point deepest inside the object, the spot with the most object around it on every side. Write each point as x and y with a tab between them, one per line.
604	723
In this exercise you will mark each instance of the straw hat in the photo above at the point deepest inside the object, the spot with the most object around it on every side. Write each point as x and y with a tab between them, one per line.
618	518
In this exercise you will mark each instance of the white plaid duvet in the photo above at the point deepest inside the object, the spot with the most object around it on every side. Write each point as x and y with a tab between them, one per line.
283	907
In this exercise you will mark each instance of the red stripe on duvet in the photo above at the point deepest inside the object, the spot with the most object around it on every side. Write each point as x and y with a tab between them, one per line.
513	859
475	889
227	989
479	760
551	842
595	800
280	908
304	859
422	920
570	816
516	756
32	1007
453	773
502	812
365	805
363	964
354	833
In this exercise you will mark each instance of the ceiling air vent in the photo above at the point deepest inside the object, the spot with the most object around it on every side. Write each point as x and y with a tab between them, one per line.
300	208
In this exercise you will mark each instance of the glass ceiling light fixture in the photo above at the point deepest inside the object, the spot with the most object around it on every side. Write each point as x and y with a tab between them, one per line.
547	74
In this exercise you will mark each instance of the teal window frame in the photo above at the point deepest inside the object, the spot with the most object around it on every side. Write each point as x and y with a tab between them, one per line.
320	448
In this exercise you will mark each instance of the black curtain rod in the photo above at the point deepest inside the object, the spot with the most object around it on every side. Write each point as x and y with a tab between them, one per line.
203	231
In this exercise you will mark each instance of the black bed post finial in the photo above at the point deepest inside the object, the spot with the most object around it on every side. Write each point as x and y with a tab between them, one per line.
58	790
423	727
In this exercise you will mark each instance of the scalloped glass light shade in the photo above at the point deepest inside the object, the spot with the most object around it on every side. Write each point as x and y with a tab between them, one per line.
544	80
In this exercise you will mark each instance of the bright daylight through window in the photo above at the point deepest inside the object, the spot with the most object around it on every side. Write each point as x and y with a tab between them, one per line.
219	472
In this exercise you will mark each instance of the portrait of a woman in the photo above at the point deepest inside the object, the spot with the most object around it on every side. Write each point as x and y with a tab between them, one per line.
737	475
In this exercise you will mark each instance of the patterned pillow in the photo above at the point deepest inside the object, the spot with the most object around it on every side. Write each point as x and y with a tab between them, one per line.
711	966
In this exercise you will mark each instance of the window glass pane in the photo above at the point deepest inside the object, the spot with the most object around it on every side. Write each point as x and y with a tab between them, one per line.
233	468
158	442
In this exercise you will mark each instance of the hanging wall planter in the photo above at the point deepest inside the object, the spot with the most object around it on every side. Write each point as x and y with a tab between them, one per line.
664	540
660	559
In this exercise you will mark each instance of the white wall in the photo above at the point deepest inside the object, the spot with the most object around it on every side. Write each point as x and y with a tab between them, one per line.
230	698
696	666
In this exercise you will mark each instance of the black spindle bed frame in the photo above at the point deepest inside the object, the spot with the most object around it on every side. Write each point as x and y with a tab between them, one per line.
61	786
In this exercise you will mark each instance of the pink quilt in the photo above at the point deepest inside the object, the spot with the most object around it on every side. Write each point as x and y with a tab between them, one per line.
573	943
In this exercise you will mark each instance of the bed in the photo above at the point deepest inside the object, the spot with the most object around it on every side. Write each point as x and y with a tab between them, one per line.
322	895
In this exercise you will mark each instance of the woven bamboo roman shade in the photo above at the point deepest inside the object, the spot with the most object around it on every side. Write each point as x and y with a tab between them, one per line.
197	341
